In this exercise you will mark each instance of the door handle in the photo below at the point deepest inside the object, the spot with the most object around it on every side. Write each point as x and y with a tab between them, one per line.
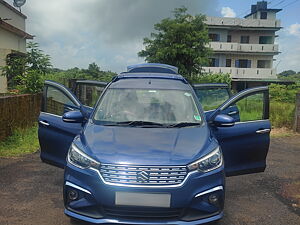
44	123
232	113
263	131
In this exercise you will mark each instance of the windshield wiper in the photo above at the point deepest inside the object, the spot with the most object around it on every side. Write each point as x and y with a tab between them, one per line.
135	123
184	124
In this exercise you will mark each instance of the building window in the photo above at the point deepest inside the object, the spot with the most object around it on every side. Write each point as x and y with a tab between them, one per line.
214	62
214	37
263	64
243	63
265	40
228	38
263	15
228	62
245	39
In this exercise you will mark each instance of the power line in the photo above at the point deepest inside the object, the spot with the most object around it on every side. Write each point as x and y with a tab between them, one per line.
273	2
282	1
252	22
269	3
290	4
246	12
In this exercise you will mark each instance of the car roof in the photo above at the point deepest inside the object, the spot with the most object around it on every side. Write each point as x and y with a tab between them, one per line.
150	75
152	68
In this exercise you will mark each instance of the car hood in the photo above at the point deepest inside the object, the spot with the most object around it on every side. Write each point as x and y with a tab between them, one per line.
145	146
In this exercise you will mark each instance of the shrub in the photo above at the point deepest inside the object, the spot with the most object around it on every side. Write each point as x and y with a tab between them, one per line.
282	104
31	82
284	93
211	78
282	114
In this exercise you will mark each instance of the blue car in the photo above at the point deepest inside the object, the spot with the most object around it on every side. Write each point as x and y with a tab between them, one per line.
145	152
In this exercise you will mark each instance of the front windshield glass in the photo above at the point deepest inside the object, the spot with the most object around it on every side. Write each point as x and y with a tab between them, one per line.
159	106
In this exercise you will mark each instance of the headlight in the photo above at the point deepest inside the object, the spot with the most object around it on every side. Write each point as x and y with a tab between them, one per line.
77	158
209	162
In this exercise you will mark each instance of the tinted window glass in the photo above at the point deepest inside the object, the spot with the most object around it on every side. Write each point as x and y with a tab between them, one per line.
161	106
212	98
57	102
263	15
214	37
88	94
228	62
251	108
266	40
228	38
213	62
245	39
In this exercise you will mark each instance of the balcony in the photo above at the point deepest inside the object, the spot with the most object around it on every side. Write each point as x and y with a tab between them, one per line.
244	73
242	48
247	23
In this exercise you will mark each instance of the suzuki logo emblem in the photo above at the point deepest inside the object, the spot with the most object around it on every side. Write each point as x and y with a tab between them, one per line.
143	176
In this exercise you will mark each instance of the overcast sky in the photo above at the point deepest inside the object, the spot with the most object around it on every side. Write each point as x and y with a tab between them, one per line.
111	32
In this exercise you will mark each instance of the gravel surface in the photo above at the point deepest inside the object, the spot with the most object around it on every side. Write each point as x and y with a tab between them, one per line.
31	191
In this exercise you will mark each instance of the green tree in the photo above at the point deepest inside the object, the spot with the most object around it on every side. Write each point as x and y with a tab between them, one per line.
94	70
37	60
180	41
31	82
287	73
24	71
15	67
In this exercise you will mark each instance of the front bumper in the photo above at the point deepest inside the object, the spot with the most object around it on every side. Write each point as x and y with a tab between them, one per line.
190	202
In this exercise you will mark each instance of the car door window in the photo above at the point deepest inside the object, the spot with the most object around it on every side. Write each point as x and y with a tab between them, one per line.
89	93
212	98
251	108
57	102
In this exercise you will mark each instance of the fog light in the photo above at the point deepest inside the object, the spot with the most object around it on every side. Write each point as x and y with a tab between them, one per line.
213	199
72	195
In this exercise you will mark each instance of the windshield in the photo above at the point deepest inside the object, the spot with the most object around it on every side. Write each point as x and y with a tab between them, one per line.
157	106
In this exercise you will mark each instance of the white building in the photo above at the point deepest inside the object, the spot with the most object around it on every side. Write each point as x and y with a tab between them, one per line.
245	48
12	35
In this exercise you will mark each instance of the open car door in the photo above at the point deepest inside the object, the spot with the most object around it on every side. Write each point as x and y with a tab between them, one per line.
245	145
212	95
55	135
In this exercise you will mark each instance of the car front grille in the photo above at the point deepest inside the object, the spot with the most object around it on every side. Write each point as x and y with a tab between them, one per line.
156	213
143	175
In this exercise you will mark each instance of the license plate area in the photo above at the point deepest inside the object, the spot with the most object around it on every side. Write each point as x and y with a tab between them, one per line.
143	199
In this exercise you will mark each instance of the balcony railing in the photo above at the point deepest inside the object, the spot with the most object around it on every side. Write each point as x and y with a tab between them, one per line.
237	47
252	73
222	21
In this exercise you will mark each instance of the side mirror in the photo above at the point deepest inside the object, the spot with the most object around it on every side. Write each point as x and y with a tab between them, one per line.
73	117
86	111
223	120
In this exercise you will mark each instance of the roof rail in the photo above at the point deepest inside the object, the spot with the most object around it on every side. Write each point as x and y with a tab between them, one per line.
149	75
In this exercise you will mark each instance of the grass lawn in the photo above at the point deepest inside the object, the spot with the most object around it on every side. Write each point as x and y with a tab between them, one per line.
23	141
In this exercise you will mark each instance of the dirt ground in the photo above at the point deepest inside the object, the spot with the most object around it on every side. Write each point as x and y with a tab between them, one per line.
31	191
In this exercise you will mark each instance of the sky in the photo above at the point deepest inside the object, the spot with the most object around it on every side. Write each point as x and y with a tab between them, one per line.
110	32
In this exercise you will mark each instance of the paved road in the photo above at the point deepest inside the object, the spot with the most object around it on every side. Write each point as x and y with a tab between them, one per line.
31	191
